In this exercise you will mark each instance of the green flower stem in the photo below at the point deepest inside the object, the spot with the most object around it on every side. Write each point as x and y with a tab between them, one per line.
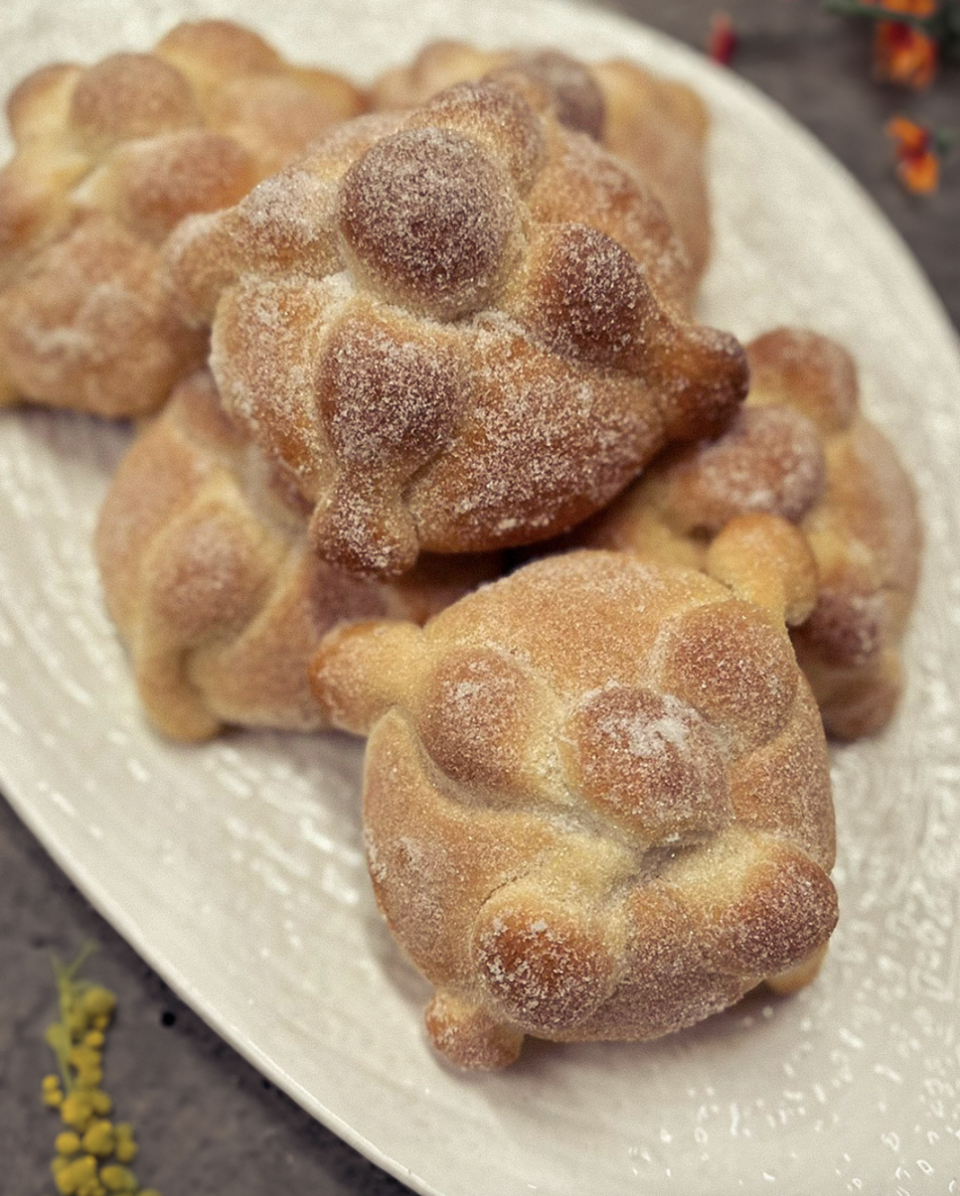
944	140
59	1036
942	26
874	12
93	1153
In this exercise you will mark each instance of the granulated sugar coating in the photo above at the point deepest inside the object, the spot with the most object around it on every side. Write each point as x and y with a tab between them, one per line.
210	579
771	459
656	125
427	219
465	335
799	449
578	825
109	158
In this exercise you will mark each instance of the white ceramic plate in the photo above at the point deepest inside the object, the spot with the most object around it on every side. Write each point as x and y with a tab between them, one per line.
236	868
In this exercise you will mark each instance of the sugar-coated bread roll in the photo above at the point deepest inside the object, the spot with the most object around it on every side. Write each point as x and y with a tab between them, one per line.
454	328
215	591
108	159
597	800
657	125
800	448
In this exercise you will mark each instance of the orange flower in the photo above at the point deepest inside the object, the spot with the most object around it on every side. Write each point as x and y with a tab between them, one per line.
723	39
902	54
914	8
918	164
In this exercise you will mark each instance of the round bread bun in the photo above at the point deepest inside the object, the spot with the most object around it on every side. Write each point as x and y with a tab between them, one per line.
216	593
801	449
455	329
596	799
108	158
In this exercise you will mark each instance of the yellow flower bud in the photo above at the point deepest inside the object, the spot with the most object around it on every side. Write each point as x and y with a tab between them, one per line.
79	1172
67	1142
118	1179
83	1056
77	1110
126	1150
99	1139
65	1180
89	1076
92	1154
98	1002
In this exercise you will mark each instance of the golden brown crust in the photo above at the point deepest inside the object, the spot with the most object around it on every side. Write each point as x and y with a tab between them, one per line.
657	126
577	826
210	579
453	329
799	449
769	562
661	126
126	97
88	324
126	148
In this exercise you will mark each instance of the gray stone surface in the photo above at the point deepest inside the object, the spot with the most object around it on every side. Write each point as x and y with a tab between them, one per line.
817	66
207	1122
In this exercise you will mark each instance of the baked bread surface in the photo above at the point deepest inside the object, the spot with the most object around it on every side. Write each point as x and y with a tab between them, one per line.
802	449
596	801
108	158
657	125
216	593
455	328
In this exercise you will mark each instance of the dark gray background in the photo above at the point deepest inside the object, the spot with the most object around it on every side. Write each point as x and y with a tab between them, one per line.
208	1124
